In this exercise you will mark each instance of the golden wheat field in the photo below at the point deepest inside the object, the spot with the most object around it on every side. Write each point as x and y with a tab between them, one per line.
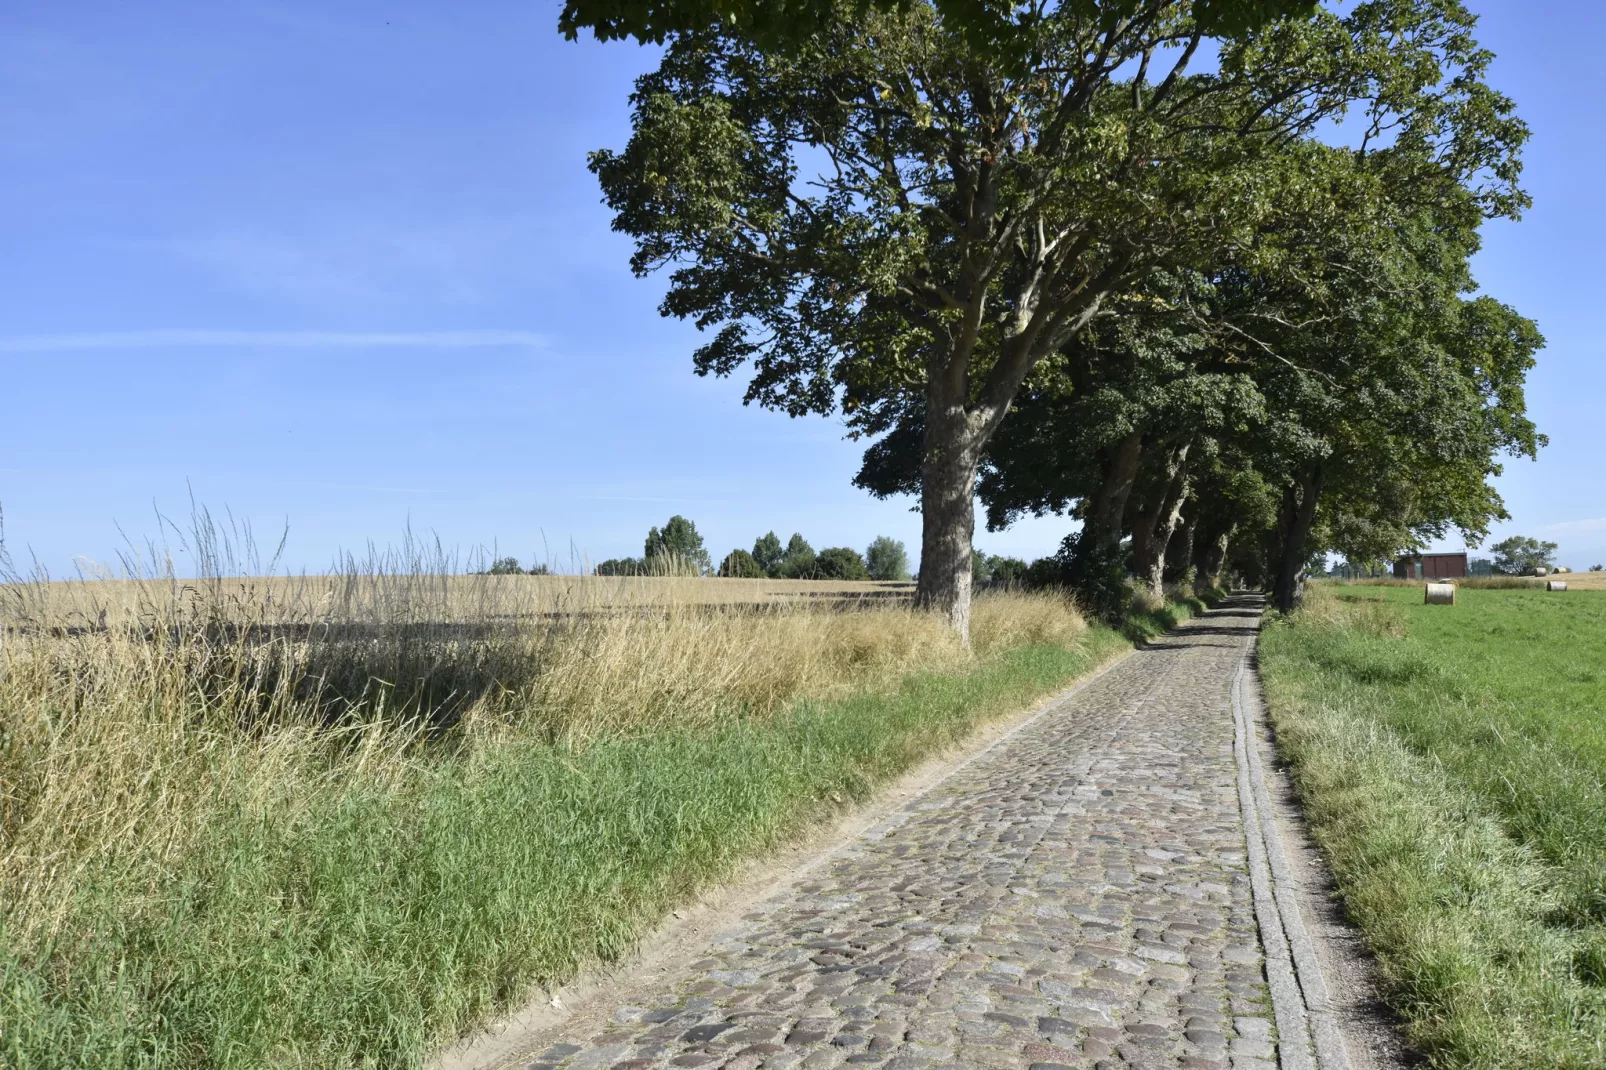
150	726
136	705
413	596
1584	581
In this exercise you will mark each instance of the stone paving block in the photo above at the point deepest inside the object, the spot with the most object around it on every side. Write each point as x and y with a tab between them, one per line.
1076	896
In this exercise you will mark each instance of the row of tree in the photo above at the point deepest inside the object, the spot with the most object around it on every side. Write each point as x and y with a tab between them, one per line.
677	549
1192	272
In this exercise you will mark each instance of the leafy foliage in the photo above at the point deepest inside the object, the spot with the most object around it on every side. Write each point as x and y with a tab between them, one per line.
890	215
979	571
1006	571
509	566
798	561
676	548
840	563
768	553
1520	555
740	565
887	559
1001	29
1096	575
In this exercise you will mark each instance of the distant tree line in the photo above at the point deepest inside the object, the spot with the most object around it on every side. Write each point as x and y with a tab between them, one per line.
509	566
677	549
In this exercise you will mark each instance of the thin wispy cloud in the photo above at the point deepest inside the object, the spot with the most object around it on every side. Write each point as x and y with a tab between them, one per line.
204	338
634	498
1576	527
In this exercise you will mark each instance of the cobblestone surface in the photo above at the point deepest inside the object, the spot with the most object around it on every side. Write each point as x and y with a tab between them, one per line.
1077	897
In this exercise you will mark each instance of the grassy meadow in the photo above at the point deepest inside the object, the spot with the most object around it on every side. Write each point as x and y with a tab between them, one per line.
336	821
1452	762
1576	581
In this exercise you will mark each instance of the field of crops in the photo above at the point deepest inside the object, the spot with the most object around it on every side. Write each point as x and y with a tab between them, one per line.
375	595
1452	761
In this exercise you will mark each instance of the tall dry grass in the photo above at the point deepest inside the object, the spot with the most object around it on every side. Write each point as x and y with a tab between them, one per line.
140	712
1332	606
331	820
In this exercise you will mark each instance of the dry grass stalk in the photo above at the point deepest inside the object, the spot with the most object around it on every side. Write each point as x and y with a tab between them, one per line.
139	711
1354	611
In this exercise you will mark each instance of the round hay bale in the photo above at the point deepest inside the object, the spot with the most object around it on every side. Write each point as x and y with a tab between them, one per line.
1439	594
1555	585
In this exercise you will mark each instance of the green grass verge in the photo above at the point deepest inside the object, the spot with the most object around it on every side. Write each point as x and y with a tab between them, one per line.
380	922
1141	626
1451	763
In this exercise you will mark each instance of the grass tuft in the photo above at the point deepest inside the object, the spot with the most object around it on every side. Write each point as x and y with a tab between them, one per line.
1150	617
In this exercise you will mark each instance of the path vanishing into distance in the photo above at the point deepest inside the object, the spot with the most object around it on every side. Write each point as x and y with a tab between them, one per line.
1103	886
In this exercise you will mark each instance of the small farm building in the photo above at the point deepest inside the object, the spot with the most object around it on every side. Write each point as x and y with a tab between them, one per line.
1431	566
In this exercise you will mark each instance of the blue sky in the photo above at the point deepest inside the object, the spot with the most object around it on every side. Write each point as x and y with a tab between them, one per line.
342	267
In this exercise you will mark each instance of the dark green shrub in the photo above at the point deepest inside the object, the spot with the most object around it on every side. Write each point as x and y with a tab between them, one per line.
1096	575
1006	571
841	563
980	571
1043	573
740	565
621	566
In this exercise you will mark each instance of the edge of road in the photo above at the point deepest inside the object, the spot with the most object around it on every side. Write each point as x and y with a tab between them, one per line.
1316	1030
596	991
1322	979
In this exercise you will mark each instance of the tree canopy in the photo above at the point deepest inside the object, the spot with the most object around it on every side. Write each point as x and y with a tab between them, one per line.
676	548
840	563
740	565
1522	555
768	553
1067	255
887	559
797	561
987	26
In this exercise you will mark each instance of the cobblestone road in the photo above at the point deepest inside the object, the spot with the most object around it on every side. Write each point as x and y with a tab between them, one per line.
1077	896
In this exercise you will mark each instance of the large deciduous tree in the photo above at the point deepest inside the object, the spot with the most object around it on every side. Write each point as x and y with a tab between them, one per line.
887	212
986	25
1385	425
675	548
1522	555
887	559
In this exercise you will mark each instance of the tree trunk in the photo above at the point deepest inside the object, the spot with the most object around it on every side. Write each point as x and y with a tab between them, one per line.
1298	516
948	515
1154	523
1165	523
1214	559
1179	554
1109	507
